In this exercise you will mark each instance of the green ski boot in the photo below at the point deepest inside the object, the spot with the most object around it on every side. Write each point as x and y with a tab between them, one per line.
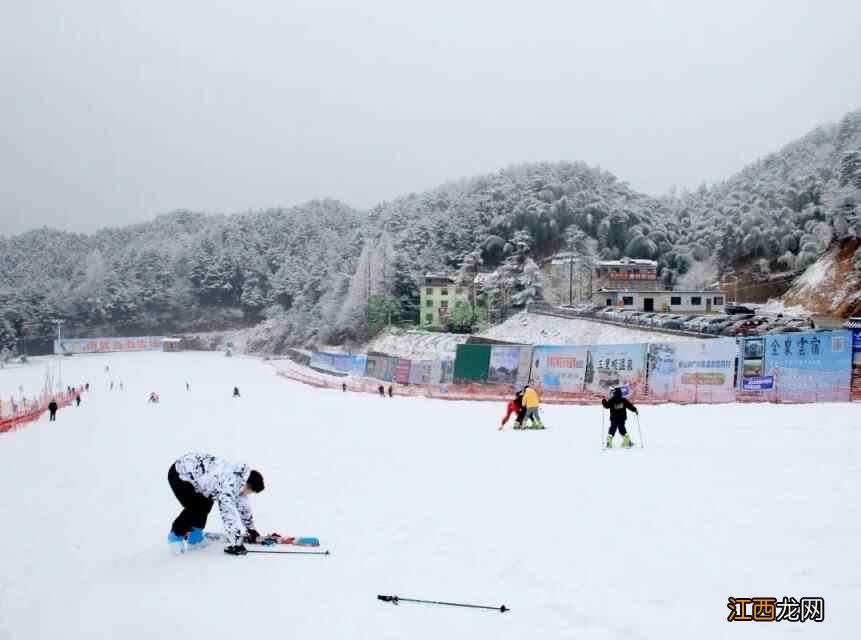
626	441
609	442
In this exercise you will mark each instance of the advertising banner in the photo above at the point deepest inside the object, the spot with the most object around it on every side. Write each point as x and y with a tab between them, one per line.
376	367
856	359
524	366
701	371
107	345
358	364
764	383
504	363
559	368
402	371
339	363
811	366
589	370
420	372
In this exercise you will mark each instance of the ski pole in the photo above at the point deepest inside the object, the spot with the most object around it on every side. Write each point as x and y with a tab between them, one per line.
640	431
290	553
603	439
397	599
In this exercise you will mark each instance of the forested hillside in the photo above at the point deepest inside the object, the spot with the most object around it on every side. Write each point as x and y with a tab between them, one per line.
323	272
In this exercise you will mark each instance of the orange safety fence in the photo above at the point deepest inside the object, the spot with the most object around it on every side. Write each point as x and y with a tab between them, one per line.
14	415
503	392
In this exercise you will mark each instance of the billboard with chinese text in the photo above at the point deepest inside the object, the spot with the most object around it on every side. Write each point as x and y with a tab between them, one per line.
700	371
107	345
578	369
811	366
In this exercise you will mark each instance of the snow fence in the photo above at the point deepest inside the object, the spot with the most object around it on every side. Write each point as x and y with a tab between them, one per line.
14	414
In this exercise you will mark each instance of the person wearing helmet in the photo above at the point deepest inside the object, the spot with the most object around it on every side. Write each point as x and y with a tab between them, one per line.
618	407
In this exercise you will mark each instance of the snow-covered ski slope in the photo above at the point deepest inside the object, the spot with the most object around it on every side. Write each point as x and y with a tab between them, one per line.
425	499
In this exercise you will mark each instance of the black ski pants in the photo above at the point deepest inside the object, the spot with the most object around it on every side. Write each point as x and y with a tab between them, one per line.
620	425
196	507
52	416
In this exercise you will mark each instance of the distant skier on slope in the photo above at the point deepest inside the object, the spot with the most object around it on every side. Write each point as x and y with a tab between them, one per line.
198	480
153	397
236	392
52	411
618	407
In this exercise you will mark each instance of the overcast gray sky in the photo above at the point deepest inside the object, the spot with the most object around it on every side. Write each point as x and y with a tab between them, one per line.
113	112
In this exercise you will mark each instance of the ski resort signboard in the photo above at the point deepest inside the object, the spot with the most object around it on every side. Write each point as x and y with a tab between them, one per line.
68	346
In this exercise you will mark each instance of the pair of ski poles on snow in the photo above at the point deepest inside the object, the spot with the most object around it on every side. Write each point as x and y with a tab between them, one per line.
604	437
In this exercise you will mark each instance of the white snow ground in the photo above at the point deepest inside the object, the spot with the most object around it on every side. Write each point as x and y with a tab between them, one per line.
421	498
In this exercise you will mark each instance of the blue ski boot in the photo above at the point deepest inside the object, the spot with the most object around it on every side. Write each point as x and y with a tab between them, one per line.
196	539
176	543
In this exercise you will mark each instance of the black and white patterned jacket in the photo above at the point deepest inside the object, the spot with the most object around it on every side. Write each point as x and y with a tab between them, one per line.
221	481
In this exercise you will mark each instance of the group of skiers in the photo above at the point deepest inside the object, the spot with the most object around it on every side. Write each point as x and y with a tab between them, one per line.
524	406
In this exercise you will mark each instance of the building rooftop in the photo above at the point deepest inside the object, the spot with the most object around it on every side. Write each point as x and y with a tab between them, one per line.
628	262
665	291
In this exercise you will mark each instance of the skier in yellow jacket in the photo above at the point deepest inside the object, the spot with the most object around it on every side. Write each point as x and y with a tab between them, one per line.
530	401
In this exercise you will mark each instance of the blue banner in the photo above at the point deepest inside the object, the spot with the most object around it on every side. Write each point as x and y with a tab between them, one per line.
763	383
809	366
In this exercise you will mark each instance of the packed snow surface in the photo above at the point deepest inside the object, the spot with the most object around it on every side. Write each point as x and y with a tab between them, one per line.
523	328
420	498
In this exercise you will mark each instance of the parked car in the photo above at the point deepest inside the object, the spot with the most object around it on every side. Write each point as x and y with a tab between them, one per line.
755	326
690	323
784	329
678	322
703	325
658	319
720	328
654	318
735	309
646	317
665	319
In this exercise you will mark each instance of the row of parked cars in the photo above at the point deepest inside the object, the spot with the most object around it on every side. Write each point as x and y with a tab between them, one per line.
737	321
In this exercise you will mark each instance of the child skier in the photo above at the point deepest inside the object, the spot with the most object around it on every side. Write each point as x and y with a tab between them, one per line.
515	408
618	407
198	480
530	401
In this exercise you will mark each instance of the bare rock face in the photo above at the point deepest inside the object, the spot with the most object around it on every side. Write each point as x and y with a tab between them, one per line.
832	284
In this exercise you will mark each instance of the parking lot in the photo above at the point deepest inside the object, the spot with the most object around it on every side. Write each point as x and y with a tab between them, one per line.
738	320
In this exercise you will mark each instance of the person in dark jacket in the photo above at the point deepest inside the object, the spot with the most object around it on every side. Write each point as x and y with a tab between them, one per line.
52	411
618	407
382	391
78	400
236	392
391	393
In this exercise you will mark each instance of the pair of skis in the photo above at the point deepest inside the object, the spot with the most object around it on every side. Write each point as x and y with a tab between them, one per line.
273	540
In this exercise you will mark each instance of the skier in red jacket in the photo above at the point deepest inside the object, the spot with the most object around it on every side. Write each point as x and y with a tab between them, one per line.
515	407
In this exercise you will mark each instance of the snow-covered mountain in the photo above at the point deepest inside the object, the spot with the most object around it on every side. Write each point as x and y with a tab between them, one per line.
322	271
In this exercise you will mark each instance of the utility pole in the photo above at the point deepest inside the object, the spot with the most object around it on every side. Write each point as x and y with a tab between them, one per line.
570	279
